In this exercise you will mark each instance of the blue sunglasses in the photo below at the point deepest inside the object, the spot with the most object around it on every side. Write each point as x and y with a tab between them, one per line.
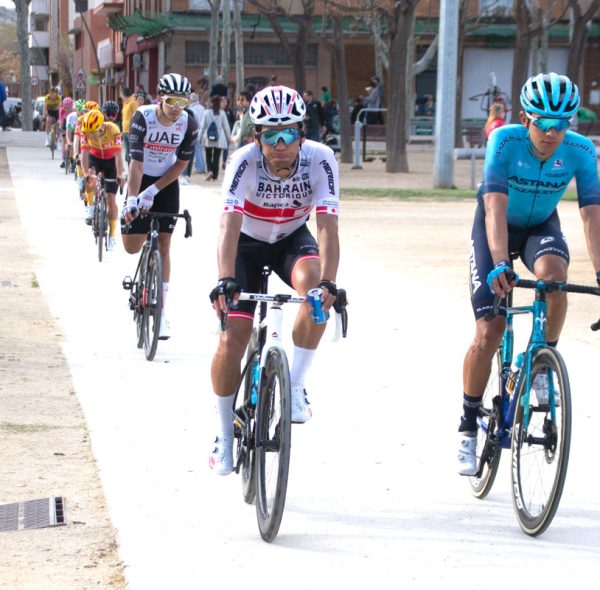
272	136
546	123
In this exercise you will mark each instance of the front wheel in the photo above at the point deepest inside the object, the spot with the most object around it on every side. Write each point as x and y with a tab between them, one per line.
489	422
541	443
152	304
273	443
102	225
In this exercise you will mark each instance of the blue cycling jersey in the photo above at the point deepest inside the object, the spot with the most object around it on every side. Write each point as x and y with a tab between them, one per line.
534	188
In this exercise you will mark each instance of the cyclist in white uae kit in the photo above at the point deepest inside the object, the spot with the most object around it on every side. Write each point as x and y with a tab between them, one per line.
270	188
161	142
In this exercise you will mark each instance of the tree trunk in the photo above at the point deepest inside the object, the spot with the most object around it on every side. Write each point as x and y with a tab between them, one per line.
458	132
521	57
226	41
579	35
239	47
213	51
339	55
22	10
396	136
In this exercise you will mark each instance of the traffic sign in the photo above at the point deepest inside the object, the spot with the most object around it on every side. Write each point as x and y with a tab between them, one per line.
80	74
80	85
35	80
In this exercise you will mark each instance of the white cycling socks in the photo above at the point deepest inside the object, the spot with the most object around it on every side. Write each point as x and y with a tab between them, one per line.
224	405
303	358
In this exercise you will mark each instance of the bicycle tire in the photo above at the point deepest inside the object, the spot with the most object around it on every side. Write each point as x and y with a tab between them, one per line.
52	141
153	304
102	224
273	443
246	443
139	287
541	448
488	451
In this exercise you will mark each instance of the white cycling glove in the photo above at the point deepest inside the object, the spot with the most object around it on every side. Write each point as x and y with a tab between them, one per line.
146	197
131	207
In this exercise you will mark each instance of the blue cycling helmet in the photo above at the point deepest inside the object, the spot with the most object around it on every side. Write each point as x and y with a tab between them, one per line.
550	95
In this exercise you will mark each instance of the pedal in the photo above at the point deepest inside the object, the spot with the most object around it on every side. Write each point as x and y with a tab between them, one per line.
127	283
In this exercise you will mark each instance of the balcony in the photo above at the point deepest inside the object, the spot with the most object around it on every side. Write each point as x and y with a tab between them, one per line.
40	7
39	39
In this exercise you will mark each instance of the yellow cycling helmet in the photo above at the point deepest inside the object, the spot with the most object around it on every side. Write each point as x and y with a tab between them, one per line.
91	105
92	121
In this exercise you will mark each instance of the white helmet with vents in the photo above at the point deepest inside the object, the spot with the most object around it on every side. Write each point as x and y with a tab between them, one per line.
175	84
277	105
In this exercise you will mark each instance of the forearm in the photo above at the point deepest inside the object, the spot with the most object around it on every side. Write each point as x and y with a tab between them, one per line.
329	247
229	236
496	226
172	174
136	171
85	162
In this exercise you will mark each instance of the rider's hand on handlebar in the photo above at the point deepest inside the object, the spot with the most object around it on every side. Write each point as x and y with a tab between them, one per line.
146	198
329	295
131	209
226	293
498	281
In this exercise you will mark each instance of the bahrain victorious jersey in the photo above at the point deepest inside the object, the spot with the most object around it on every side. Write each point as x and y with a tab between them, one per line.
275	208
534	188
160	146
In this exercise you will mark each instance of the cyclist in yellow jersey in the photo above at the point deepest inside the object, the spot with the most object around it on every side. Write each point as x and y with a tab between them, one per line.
52	103
87	106
101	152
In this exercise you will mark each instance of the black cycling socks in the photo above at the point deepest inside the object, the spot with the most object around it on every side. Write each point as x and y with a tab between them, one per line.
468	421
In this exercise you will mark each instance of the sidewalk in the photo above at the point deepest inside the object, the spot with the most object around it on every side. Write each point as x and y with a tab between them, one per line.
371	175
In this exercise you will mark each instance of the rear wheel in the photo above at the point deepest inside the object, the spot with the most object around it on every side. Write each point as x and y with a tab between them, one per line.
273	443
489	420
102	224
541	443
52	141
153	304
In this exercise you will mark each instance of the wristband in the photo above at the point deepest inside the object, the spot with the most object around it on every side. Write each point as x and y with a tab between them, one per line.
330	286
499	268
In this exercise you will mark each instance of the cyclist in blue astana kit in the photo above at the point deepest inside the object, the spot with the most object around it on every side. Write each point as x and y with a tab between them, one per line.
161	142
526	172
270	188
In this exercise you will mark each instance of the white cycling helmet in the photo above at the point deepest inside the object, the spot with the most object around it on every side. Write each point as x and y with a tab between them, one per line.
277	105
175	84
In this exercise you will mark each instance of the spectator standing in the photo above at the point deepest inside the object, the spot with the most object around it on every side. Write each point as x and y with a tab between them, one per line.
214	147
2	99
325	95
129	107
140	99
314	120
246	128
429	107
219	88
196	110
495	118
374	100
226	108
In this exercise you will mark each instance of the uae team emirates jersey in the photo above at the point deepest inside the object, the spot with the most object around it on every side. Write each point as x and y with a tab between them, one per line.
275	208
160	146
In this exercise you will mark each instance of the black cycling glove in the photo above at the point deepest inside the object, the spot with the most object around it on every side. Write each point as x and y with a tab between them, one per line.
226	286
330	286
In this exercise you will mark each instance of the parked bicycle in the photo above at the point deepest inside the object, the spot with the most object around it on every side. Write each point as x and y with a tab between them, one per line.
146	286
262	417
527	408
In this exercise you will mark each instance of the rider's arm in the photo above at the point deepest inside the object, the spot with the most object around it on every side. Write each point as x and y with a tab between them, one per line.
229	234
85	162
329	246
173	173
591	226
496	228
136	171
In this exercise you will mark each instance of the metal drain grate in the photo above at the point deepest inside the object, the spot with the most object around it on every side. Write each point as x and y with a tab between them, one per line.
33	514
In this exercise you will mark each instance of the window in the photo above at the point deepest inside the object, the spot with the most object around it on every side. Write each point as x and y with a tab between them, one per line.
495	7
196	53
271	54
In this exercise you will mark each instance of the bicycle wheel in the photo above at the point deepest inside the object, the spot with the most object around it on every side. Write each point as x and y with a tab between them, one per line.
540	445
246	441
488	450
138	292
273	443
102	225
153	304
52	141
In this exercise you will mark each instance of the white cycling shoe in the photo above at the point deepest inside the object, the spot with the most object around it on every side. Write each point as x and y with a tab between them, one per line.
301	411
164	331
111	243
220	459
467	457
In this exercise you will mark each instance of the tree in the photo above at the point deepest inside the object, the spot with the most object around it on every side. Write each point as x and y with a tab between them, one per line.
213	42
579	21
22	10
239	46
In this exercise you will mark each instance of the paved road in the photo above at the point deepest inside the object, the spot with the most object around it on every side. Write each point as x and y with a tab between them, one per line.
373	499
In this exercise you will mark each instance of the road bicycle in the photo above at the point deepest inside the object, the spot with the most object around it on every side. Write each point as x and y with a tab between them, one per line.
262	417
146	297
53	139
516	416
100	218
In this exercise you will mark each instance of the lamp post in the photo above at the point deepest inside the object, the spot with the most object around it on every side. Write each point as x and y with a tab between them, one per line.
81	6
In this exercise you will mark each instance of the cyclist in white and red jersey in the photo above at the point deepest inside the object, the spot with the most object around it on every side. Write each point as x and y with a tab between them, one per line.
270	188
161	142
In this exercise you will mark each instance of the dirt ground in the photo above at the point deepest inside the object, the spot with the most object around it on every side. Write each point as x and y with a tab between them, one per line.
45	443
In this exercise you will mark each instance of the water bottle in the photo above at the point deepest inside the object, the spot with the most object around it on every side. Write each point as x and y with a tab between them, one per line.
255	377
317	314
514	374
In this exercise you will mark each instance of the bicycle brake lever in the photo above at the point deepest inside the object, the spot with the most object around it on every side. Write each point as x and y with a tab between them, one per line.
595	326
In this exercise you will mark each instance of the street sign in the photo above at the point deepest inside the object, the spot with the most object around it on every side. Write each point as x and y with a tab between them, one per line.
35	80
80	85
80	74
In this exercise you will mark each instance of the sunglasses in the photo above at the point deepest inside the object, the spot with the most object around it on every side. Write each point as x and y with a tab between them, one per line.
175	101
546	123
272	136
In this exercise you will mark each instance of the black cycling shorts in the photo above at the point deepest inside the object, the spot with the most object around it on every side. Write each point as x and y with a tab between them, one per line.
53	114
282	256
529	244
166	201
109	168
